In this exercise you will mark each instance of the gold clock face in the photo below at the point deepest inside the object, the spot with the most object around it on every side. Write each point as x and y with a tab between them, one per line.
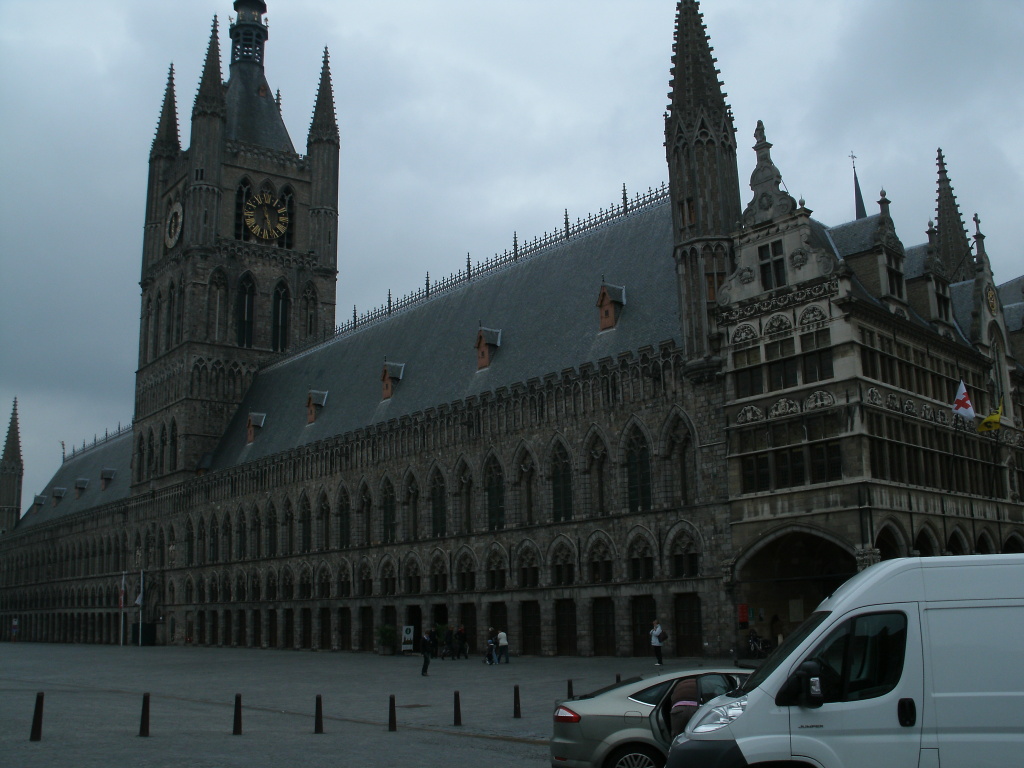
172	227
992	303
265	216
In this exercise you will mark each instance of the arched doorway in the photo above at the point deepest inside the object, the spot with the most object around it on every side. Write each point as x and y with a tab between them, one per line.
780	583
889	544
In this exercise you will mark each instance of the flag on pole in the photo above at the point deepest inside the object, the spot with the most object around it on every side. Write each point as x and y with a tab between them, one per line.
138	600
993	421
120	602
962	404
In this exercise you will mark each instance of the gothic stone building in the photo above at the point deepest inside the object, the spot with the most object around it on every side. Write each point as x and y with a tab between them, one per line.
685	407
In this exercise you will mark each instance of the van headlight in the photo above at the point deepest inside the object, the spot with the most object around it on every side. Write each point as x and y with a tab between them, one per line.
720	716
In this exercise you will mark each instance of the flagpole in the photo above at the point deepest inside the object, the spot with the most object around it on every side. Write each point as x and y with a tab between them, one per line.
120	624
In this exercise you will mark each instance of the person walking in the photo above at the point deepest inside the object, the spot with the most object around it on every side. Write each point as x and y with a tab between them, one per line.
425	649
502	647
658	636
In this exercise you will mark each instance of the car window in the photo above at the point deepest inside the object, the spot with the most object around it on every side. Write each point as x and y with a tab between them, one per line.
713	685
862	658
652	695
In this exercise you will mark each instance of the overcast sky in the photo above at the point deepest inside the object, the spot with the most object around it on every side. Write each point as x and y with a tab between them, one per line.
463	121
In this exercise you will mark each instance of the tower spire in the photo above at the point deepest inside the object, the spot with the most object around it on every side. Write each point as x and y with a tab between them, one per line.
12	470
954	249
166	142
324	125
858	199
210	96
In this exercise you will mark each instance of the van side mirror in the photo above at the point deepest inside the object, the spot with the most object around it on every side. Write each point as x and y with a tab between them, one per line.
809	676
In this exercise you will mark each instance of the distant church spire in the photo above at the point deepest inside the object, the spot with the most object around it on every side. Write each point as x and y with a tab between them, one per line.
324	126
166	142
12	470
954	249
210	97
858	198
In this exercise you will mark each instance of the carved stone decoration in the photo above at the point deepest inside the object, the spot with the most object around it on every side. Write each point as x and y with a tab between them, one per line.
900	314
892	402
798	258
826	262
783	301
909	407
778	324
813	314
819	399
874	398
784	407
927	412
942	416
746	275
725	294
748	414
745	332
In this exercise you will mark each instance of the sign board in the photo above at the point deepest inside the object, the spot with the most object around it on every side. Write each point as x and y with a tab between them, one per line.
407	633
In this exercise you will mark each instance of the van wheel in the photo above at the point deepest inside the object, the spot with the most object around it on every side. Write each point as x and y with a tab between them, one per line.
635	756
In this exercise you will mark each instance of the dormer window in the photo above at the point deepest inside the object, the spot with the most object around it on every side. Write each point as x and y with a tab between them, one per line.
942	300
389	377
58	495
106	477
315	400
610	302
487	342
38	502
772	259
894	272
253	425
80	485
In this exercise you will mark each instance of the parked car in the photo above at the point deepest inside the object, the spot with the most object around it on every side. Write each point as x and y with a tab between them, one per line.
626	725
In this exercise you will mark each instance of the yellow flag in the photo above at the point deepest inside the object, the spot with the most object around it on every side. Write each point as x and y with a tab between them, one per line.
992	421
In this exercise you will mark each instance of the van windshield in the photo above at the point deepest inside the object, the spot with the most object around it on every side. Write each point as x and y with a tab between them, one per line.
783	652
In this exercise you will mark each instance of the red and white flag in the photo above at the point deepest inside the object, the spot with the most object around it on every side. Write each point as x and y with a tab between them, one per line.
962	404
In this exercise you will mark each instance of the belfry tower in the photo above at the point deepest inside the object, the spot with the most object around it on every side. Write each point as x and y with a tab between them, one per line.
700	144
239	257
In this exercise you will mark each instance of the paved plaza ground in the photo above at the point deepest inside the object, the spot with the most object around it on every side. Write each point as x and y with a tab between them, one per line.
93	705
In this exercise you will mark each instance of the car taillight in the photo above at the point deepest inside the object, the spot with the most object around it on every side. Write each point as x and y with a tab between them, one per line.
566	715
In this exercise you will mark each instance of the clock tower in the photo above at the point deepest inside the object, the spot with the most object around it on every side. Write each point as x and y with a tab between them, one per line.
239	257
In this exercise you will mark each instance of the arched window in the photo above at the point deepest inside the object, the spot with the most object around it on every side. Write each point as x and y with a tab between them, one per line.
173	447
242	548
527	491
242	195
305	525
279	318
388	580
365	580
495	570
529	568
563	570
214	552
344	581
246	311
365	514
641	560
412	510
412	577
438	575
465	574
638	472
680	464
494	480
257	532
465	499
190	553
344	519
226	539
598	472
387	509
601	563
324	518
287	198
170	318
561	484
217	307
289	529
685	558
438	506
271	531
308	310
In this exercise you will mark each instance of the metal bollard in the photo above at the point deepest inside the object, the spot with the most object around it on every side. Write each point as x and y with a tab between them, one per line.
568	694
37	719
392	717
144	725
318	726
517	711
458	709
237	730
618	678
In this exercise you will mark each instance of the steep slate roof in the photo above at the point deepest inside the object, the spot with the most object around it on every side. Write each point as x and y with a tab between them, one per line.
114	453
544	306
854	236
253	116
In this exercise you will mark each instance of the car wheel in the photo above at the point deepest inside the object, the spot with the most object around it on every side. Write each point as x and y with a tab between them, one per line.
635	756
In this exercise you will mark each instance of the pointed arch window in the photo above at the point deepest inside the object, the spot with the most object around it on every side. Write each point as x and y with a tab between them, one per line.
641	560
494	480
438	506
529	568
438	575
563	571
387	508
344	519
324	519
638	472
305	526
561	484
601	563
287	198
214	551
279	318
289	529
495	573
242	194
599	484
308	310
246	311
170	319
217	307
272	532
528	491
242	546
412	510
173	447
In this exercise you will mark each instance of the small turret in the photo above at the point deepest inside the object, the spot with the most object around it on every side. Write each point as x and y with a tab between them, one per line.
953	247
322	148
12	470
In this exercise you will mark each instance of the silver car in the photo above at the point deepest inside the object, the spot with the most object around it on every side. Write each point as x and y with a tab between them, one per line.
626	725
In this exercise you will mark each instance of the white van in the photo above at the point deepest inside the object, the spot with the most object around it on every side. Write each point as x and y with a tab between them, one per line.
912	662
